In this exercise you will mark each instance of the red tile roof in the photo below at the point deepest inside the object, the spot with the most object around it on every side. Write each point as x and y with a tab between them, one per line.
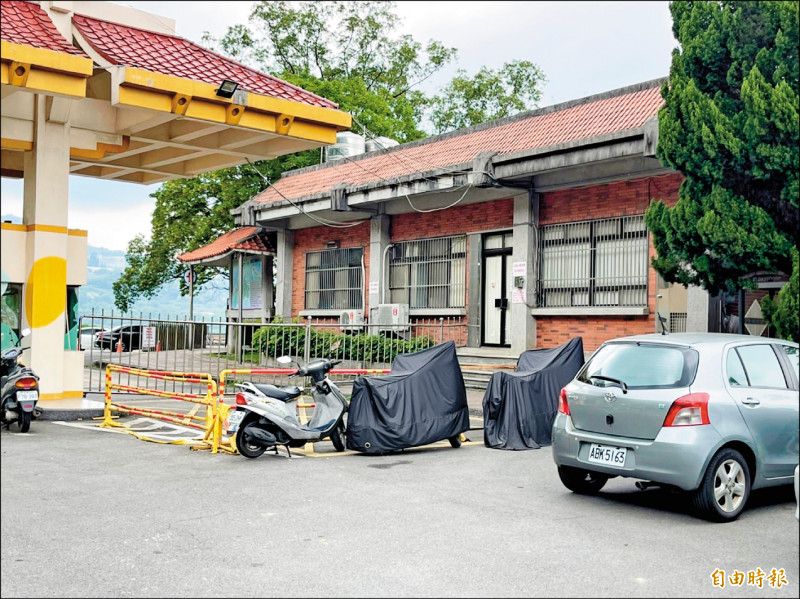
245	239
542	128
27	24
172	55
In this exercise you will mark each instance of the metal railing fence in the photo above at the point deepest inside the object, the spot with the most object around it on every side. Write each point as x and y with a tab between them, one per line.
156	342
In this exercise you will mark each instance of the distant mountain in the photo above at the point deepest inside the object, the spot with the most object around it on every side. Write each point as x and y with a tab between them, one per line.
105	266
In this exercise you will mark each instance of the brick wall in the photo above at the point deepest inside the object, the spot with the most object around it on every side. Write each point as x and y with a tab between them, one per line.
601	201
625	198
485	216
473	218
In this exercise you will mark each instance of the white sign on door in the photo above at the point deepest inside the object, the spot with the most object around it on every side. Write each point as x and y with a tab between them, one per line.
519	269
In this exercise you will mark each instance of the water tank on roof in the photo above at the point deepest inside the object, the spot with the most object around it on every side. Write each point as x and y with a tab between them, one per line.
347	144
380	143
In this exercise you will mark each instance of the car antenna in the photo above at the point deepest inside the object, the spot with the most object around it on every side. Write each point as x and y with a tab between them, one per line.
663	321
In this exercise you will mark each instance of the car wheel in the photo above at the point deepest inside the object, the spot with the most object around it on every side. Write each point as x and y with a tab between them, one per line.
582	481
455	441
724	489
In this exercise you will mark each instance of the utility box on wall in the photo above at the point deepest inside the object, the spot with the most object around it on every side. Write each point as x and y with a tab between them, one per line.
393	317
351	320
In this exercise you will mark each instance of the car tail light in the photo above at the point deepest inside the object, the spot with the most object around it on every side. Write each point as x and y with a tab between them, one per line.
563	405
241	400
689	410
25	383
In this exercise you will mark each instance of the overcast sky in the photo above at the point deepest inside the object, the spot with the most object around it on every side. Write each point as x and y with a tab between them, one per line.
584	48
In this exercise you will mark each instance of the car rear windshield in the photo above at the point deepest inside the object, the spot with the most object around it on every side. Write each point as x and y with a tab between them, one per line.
641	366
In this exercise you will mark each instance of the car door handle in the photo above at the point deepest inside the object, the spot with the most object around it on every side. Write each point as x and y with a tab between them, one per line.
751	402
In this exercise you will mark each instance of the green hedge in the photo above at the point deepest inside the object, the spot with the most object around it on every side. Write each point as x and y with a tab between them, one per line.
276	341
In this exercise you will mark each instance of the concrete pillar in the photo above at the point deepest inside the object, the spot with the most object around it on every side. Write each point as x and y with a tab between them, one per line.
45	200
284	267
697	303
524	258
379	238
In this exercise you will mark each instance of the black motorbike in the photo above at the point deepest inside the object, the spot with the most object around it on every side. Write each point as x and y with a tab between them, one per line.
19	386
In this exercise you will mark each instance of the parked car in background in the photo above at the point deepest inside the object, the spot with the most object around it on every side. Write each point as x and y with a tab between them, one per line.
129	334
88	336
712	414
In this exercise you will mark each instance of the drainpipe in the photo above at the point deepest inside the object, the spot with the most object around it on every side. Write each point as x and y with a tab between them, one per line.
363	284
385	273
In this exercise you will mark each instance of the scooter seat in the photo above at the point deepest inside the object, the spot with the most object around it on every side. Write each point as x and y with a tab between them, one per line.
282	393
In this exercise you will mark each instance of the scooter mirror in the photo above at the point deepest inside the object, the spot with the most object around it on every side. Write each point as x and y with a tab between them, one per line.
25	332
285	360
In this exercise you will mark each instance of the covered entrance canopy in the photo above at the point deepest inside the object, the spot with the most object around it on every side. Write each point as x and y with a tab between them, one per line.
105	91
247	253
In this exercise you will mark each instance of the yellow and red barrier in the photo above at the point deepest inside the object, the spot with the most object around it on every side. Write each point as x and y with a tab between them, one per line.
211	423
216	412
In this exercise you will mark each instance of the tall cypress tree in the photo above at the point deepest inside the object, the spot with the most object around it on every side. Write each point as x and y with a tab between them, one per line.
730	126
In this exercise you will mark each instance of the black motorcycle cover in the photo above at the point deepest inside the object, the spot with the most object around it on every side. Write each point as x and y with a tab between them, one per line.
519	407
423	400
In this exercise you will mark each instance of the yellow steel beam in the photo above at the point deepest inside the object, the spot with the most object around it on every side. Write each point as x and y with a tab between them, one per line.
156	91
41	70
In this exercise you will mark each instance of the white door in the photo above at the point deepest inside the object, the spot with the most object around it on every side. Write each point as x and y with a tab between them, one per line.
496	289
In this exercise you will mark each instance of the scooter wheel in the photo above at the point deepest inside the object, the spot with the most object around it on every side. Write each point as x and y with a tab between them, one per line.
338	438
24	421
455	441
245	447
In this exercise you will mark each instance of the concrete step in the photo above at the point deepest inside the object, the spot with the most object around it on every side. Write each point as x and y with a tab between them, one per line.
485	356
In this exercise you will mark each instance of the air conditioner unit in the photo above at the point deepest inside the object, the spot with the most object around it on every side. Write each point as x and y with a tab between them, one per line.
392	317
351	320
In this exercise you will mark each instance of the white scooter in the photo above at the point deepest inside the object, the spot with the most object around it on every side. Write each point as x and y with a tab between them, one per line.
267	416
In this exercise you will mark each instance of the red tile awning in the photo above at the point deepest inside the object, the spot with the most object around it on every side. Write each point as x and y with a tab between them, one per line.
539	129
248	240
27	24
172	55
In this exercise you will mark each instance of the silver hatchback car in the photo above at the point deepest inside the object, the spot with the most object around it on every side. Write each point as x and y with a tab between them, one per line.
712	414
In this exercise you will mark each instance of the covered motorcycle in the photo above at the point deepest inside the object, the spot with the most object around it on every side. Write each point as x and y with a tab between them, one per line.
519	407
422	400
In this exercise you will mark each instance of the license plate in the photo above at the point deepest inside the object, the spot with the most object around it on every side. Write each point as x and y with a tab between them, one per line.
607	455
234	420
27	396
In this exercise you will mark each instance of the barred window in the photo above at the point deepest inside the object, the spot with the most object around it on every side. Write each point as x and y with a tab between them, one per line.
429	273
334	280
594	263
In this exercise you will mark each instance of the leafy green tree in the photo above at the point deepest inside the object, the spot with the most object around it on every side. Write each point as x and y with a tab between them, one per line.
784	314
730	125
343	51
467	101
189	213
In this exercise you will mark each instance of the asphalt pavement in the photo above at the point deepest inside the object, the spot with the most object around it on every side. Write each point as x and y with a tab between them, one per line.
91	512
